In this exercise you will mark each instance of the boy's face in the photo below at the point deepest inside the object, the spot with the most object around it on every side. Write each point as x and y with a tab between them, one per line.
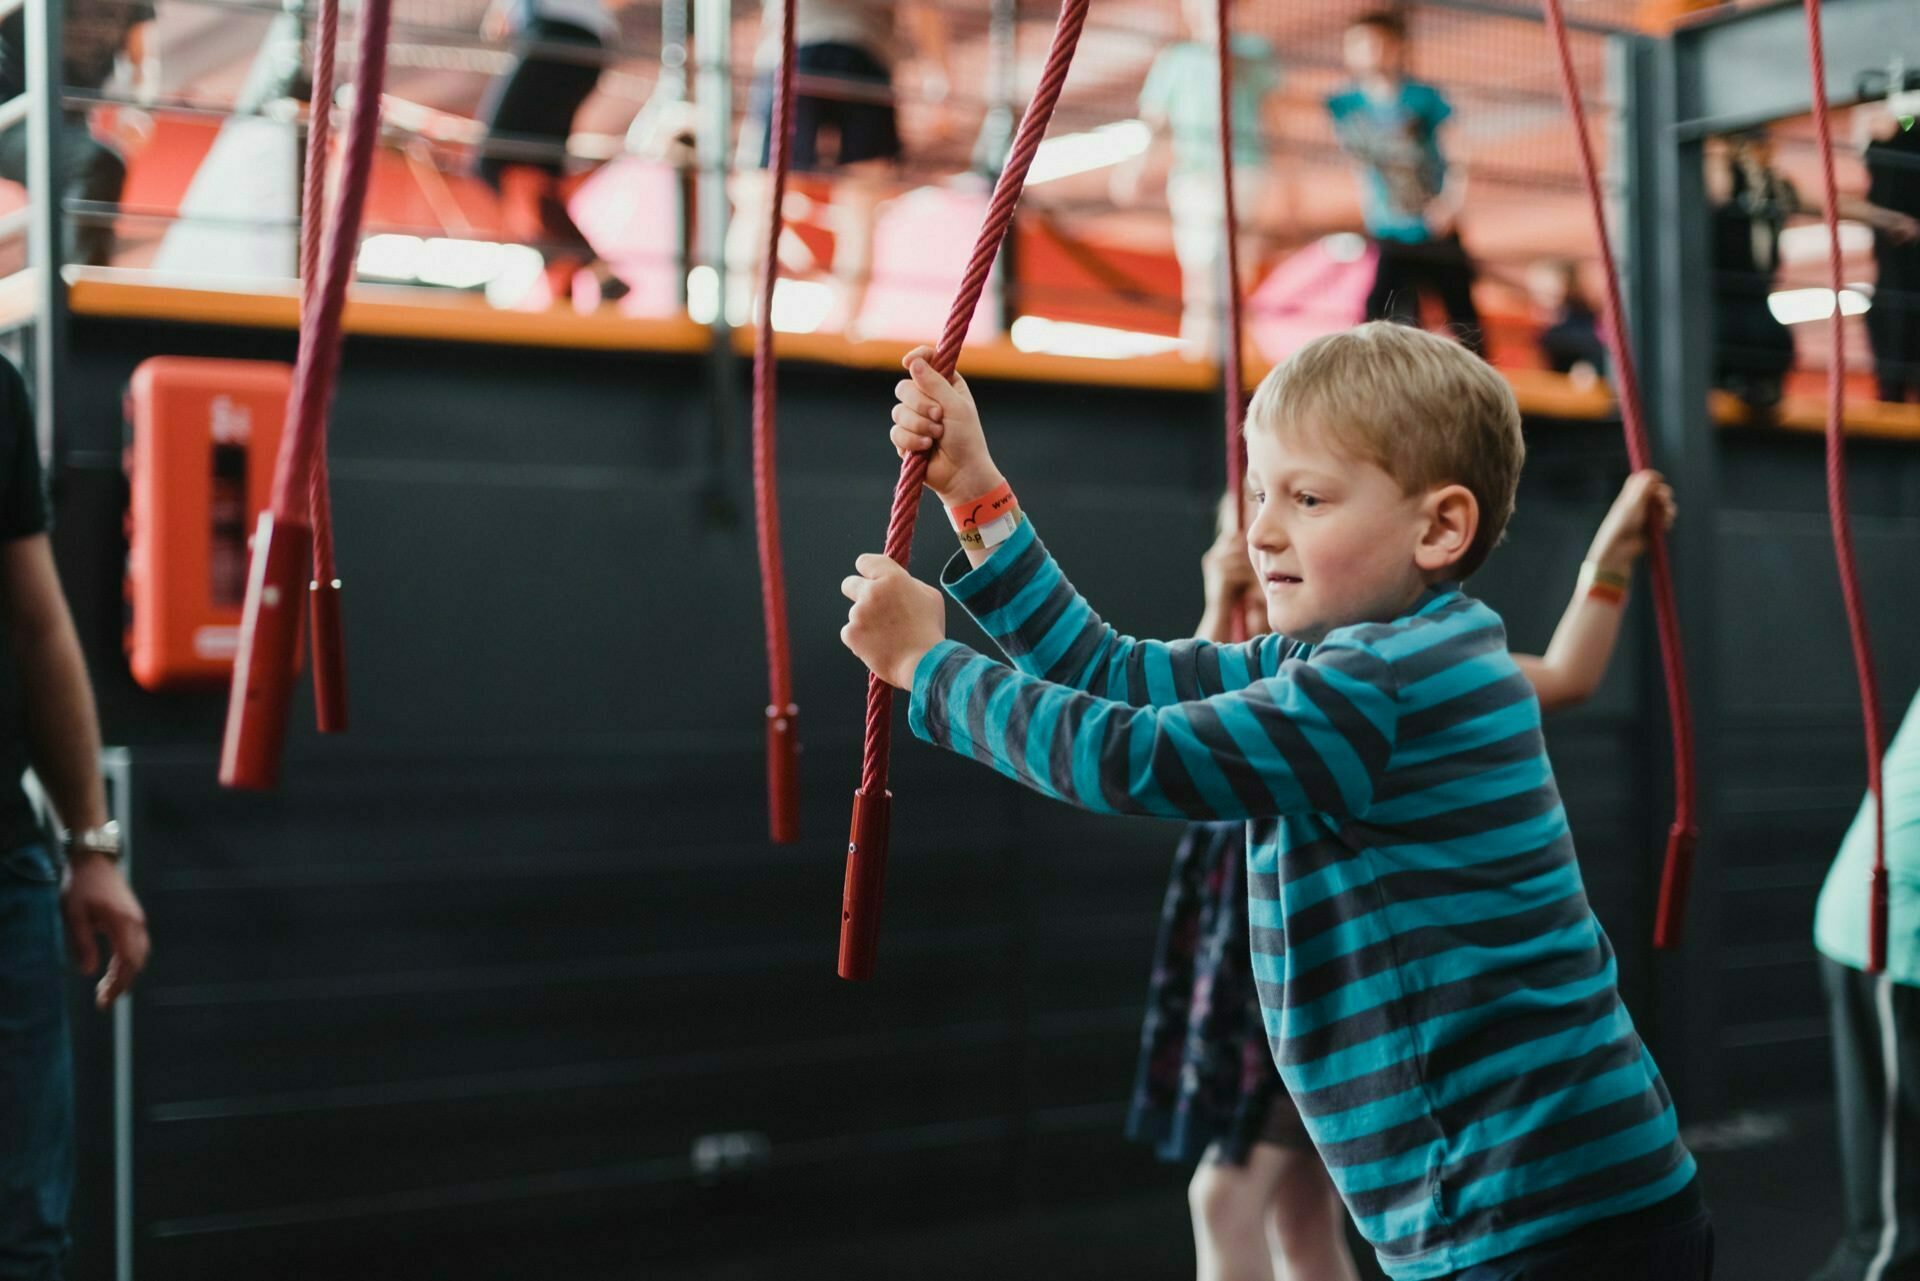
1371	50
1334	541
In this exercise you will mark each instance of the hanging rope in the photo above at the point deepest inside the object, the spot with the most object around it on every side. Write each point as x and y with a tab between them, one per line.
867	842
1837	505
329	651
283	543
783	778
1678	870
1232	375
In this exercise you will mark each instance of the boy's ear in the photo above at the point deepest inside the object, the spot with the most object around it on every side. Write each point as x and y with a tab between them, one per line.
1451	519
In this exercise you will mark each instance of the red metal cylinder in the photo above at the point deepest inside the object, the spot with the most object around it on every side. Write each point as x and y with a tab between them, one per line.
783	774
1877	923
329	657
866	879
269	645
1669	922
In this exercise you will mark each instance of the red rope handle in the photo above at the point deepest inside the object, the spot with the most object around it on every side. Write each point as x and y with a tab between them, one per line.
783	782
1837	506
281	562
329	655
1678	869
867	843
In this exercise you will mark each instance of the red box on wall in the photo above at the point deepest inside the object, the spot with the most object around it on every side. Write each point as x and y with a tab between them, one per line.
204	438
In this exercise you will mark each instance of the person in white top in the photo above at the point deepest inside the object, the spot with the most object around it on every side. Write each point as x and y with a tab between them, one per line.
846	52
528	114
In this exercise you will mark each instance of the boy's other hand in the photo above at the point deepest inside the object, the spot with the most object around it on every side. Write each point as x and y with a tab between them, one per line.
1227	571
1645	503
894	621
938	415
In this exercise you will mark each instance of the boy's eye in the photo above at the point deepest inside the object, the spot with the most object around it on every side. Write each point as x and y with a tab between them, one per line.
1307	500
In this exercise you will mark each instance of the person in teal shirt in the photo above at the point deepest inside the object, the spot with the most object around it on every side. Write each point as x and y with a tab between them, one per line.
1410	197
1180	102
1876	1029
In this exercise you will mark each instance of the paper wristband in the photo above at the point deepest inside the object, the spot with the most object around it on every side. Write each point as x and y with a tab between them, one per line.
985	537
983	510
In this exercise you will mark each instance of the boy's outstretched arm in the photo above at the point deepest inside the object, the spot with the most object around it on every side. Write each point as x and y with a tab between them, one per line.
1316	737
1017	593
1582	645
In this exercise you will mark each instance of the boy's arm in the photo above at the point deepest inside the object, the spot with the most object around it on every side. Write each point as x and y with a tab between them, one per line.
1018	595
1314	738
1582	646
1016	592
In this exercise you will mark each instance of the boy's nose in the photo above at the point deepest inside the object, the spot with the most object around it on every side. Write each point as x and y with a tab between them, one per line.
1265	535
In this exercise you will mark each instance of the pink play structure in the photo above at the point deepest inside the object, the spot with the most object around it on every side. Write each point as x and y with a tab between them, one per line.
1312	293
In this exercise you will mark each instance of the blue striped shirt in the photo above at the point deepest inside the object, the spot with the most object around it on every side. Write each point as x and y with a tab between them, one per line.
1440	999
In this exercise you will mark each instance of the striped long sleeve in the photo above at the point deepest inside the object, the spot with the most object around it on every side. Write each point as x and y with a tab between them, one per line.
1124	726
1313	738
1022	600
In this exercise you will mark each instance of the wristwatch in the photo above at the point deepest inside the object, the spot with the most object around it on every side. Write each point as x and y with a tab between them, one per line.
103	840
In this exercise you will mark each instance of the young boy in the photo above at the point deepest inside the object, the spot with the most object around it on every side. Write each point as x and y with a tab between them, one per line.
1441	1001
1409	195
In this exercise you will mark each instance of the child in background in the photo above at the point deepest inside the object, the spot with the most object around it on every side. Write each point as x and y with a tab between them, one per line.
1569	324
1181	103
846	54
1753	351
1410	197
1440	1000
1206	1089
532	108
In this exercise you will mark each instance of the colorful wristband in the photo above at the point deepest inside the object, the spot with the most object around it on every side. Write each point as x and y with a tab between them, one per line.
1604	584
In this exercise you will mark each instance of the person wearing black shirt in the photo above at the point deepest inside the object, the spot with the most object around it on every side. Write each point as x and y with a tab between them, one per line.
55	902
1893	210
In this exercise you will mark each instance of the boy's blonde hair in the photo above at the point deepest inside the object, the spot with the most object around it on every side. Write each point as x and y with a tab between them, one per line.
1423	408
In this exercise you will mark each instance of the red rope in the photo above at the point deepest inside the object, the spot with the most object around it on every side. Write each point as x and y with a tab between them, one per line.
1235	377
280	563
1837	505
1681	838
317	367
866	856
1230	367
329	659
783	799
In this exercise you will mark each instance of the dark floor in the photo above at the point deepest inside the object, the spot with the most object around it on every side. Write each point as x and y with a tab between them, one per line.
1772	1180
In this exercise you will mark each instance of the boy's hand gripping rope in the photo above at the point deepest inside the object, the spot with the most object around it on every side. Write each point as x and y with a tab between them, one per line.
867	841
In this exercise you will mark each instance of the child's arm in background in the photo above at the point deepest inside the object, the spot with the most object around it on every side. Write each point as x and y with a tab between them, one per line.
1017	593
1582	645
1226	575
